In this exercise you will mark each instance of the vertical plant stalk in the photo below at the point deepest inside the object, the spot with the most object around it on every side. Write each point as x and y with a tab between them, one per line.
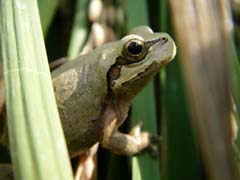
79	30
143	166
37	143
203	36
184	162
235	79
235	75
47	10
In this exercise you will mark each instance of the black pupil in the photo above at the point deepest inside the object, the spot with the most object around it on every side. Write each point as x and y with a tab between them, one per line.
134	48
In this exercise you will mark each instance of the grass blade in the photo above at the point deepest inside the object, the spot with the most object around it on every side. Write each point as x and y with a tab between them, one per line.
47	10
179	151
143	166
79	30
37	143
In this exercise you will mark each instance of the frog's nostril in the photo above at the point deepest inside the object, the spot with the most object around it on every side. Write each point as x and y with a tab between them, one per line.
164	40
161	40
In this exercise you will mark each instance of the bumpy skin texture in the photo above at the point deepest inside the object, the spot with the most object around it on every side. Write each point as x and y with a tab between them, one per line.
94	92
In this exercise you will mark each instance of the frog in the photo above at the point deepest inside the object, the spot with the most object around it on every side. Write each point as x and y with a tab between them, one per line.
94	91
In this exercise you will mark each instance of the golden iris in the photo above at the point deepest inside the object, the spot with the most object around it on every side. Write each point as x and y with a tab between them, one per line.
134	50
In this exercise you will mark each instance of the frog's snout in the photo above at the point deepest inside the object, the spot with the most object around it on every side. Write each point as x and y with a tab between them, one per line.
161	40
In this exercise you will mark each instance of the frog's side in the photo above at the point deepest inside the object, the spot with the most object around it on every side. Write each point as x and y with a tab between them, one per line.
81	93
94	92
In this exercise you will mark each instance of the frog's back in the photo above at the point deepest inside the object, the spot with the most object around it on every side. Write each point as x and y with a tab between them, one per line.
80	88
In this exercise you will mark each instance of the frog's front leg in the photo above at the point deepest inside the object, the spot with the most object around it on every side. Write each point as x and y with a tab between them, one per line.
126	144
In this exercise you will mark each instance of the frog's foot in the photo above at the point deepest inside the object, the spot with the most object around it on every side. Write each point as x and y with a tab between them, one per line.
129	144
153	140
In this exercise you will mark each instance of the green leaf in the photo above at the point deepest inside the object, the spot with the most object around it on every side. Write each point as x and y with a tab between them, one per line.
143	166
79	30
235	77
37	143
182	161
47	11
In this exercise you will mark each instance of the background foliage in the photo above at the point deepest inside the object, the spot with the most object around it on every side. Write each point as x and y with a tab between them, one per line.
166	105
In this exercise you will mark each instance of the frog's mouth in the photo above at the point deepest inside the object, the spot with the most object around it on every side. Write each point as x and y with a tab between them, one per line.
128	89
148	69
148	73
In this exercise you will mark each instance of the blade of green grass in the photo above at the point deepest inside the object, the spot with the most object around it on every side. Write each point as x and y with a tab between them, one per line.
180	152
144	166
47	10
235	77
235	82
37	145
143	109
182	161
79	30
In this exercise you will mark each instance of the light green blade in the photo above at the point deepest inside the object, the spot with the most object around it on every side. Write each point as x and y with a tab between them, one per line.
37	143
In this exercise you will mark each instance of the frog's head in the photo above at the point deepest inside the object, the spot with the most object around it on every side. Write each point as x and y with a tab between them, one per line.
141	55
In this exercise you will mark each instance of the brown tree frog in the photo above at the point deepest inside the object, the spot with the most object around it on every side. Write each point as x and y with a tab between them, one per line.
94	91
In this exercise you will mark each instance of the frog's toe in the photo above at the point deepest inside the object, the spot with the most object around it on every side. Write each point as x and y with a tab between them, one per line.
155	138
136	130
153	149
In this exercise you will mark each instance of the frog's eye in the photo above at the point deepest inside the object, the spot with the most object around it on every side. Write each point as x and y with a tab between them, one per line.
134	50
